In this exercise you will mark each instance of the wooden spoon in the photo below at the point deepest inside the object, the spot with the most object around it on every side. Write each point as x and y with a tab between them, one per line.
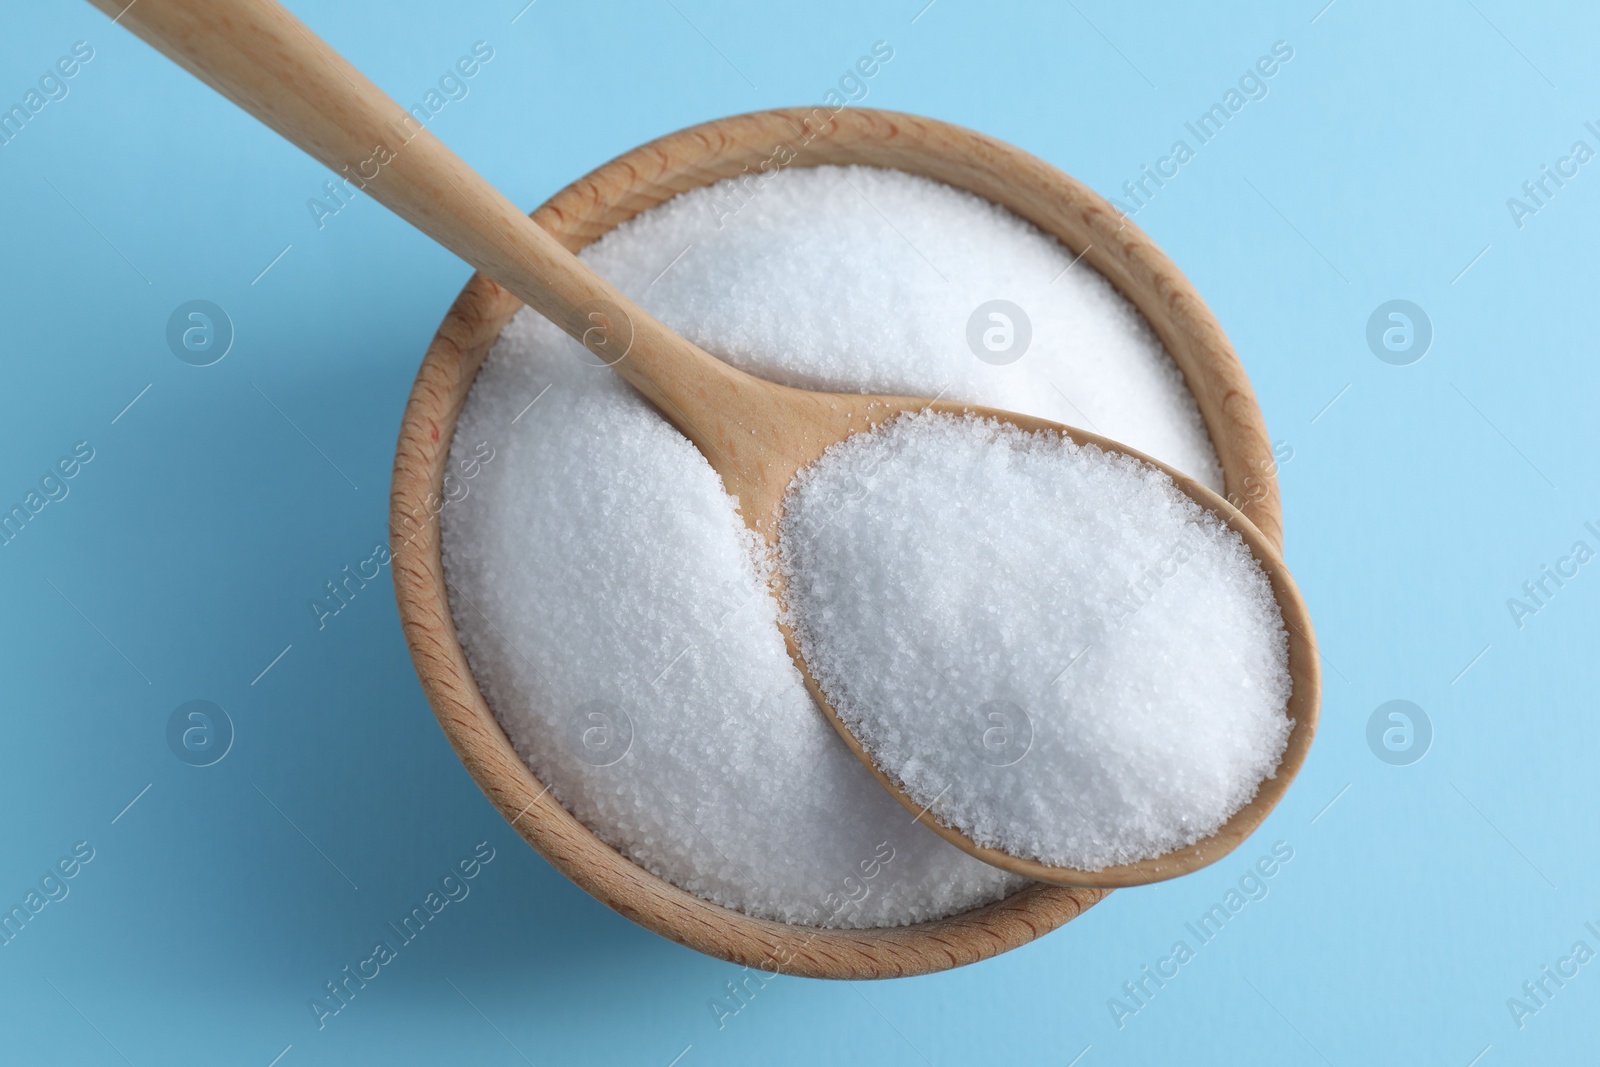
756	434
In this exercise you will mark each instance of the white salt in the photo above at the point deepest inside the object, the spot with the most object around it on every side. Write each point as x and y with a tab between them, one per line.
603	585
1051	647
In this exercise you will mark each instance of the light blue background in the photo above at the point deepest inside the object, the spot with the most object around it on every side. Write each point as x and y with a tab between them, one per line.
182	560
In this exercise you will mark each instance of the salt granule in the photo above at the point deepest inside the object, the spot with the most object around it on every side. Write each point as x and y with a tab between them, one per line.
1050	646
607	594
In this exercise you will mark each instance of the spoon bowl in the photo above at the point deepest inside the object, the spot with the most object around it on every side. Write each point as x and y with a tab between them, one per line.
1304	671
758	435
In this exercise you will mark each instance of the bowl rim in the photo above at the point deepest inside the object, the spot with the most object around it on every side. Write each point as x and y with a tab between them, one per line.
744	147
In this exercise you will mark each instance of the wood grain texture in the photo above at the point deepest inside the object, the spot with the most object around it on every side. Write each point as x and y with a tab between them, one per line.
643	178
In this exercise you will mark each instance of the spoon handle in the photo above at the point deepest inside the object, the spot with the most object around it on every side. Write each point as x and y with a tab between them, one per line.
264	59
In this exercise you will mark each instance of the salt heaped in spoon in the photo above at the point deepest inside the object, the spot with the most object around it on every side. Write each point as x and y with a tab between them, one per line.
1052	647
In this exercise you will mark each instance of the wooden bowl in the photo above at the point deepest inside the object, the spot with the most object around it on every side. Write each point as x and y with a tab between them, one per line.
616	192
